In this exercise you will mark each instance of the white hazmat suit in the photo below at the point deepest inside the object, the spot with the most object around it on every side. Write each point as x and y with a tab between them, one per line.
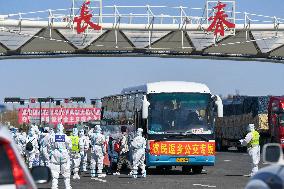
32	152
22	143
43	141
60	144
253	149
98	140
84	147
138	155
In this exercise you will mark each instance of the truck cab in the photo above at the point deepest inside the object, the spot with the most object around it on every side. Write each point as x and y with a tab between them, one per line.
276	119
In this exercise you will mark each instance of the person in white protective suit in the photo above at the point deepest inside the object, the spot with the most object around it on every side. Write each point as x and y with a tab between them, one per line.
138	155
59	145
22	143
15	134
32	151
43	141
75	153
36	129
97	140
90	134
252	142
84	147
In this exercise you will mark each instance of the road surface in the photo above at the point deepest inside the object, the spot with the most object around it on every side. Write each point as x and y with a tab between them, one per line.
227	173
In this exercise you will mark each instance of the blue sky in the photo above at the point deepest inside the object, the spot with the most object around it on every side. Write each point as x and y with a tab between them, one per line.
96	77
266	7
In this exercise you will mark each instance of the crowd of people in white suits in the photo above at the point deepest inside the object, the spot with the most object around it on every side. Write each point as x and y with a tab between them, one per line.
66	155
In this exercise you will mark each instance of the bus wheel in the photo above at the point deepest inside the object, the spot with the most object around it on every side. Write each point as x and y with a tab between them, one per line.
186	169
197	169
164	169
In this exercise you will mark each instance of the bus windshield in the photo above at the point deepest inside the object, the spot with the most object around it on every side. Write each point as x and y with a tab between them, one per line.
179	113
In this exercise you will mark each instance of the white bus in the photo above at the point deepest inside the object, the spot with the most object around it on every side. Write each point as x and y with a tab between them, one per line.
177	117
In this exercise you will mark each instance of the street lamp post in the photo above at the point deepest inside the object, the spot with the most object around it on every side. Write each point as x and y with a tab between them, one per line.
39	113
49	107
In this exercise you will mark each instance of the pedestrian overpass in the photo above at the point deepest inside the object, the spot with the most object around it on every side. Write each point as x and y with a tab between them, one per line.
141	31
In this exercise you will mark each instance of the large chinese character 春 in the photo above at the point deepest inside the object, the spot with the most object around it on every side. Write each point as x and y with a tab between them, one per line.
84	20
219	20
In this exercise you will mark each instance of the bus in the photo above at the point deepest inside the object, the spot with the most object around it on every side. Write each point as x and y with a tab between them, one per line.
178	120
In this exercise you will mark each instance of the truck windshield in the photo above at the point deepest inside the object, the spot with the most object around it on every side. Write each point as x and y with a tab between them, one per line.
180	112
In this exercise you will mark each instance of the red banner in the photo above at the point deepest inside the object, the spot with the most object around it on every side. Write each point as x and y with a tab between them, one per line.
58	115
182	148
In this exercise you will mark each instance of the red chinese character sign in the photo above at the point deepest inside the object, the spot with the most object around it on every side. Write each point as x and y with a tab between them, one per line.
58	115
84	20
219	21
182	148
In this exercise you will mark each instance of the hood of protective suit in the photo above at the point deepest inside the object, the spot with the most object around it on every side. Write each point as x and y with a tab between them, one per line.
60	128
250	127
97	129
46	129
75	132
81	133
139	132
31	132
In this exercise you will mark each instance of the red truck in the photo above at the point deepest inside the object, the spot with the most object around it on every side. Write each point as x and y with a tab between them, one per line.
276	119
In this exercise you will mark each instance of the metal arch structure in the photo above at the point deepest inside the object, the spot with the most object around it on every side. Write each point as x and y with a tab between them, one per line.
140	31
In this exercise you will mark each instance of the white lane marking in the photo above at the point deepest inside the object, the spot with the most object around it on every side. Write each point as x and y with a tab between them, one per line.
98	179
209	186
227	160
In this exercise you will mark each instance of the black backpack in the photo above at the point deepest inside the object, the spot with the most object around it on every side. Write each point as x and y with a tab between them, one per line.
29	146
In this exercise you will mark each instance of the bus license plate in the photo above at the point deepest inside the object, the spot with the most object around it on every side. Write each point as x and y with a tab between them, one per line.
182	160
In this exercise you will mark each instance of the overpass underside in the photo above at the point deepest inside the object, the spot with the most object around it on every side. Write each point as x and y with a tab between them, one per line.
21	42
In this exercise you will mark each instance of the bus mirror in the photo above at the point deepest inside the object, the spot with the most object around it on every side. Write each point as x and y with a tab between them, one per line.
219	104
272	153
145	107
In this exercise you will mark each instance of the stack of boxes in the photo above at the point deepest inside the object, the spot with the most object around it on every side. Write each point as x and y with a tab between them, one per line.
241	112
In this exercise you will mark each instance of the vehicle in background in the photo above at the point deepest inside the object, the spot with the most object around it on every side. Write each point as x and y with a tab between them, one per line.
178	120
265	112
2	108
13	171
276	119
272	176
